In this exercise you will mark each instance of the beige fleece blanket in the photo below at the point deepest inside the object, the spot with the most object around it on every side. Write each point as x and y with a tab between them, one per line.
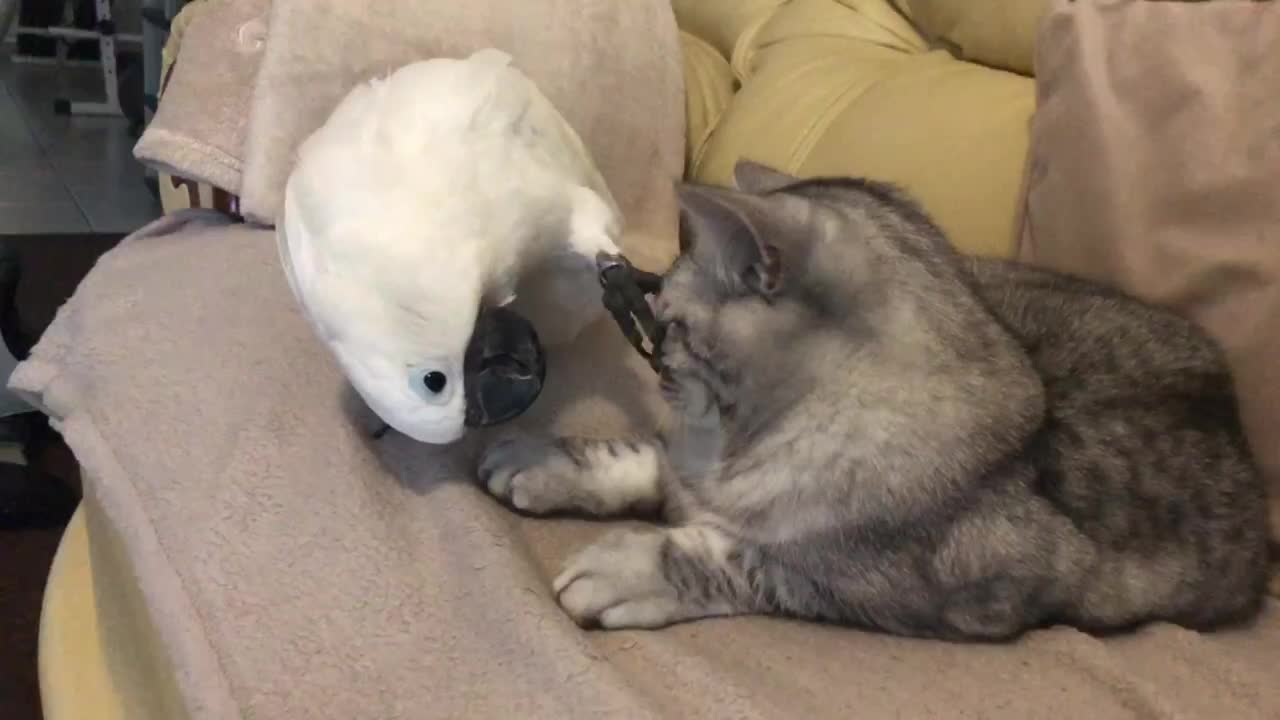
293	568
199	130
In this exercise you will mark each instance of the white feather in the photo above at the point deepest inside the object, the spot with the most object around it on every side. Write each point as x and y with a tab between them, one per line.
424	194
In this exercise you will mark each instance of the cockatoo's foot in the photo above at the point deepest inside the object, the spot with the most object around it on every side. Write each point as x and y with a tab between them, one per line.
626	293
573	475
649	579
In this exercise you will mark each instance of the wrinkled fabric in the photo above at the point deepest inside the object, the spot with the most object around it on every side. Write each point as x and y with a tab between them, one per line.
292	567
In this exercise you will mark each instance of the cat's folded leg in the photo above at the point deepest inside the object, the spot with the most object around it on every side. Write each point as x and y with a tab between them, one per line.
602	478
654	578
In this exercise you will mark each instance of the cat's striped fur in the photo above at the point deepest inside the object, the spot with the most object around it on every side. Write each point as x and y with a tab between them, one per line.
870	429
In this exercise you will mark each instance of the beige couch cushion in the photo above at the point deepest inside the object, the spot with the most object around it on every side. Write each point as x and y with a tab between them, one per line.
1155	168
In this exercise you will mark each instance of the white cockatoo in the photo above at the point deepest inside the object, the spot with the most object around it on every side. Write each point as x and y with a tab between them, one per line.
417	213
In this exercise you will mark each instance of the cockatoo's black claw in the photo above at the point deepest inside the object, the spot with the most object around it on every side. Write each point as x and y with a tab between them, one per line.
626	291
608	264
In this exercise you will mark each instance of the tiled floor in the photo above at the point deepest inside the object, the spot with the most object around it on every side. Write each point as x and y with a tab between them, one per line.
63	174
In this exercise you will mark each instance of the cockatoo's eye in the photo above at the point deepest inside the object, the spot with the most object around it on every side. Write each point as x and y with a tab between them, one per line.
435	381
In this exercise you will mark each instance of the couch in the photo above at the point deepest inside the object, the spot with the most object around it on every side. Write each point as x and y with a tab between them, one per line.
936	95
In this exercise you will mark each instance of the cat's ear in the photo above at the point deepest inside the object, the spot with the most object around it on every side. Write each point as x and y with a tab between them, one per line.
765	275
758	178
724	228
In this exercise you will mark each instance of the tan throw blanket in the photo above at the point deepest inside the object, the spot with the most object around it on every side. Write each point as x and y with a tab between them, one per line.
199	130
292	568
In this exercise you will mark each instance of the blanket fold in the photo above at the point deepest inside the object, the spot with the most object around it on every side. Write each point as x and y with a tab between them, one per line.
190	137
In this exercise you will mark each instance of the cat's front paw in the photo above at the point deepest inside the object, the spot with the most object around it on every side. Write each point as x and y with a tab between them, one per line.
526	473
618	583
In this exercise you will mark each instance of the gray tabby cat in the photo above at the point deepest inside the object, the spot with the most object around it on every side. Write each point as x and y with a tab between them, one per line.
870	429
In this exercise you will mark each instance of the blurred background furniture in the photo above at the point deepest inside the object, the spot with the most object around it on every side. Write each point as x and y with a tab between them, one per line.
91	31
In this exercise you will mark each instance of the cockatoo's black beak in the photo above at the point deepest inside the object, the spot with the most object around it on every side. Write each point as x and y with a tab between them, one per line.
504	367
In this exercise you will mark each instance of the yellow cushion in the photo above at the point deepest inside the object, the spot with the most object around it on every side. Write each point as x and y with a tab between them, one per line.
74	682
709	86
953	134
99	658
999	33
724	24
847	87
870	22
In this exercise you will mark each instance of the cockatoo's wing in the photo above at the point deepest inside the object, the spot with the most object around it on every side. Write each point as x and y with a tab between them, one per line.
304	267
559	291
514	100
